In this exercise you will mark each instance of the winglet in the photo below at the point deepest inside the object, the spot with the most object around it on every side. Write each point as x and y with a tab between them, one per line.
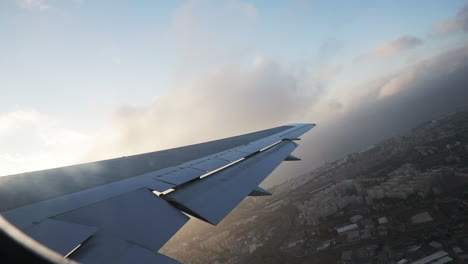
259	192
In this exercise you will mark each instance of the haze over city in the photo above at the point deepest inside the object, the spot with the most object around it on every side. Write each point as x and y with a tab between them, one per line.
88	80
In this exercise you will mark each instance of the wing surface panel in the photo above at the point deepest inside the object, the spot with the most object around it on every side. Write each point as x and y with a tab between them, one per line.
210	164
181	176
232	155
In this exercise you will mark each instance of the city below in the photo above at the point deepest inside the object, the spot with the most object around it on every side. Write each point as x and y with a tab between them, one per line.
403	200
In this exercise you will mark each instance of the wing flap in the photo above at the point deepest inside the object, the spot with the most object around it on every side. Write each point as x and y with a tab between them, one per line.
213	197
60	236
141	255
160	186
105	248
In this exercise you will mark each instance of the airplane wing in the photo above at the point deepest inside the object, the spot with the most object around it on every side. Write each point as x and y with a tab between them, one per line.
124	210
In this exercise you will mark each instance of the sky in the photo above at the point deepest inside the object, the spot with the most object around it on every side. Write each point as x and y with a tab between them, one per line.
85	80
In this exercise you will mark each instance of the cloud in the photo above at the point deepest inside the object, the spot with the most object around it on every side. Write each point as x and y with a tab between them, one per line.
424	70
335	105
225	102
32	4
397	84
327	72
391	106
391	48
31	141
230	101
457	24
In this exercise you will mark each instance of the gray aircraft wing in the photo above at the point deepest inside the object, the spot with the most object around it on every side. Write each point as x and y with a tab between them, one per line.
124	210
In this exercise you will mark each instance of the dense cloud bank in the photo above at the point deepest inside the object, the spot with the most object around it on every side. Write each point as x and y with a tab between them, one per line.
231	101
424	91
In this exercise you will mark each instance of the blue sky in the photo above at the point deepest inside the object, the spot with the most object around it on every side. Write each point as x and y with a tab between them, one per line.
68	66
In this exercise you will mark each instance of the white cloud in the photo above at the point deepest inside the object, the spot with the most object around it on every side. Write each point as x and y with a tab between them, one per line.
225	102
457	24
391	48
397	84
422	71
31	141
328	72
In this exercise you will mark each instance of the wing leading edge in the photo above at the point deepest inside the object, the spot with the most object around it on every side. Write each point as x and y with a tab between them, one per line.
107	211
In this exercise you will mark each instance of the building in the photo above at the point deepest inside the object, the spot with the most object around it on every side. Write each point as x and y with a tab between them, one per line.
383	220
433	258
347	228
420	218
